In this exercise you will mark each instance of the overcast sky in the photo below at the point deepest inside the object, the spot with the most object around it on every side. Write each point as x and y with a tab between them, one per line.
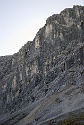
21	19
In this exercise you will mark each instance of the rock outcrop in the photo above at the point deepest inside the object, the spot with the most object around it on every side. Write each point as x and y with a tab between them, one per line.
44	82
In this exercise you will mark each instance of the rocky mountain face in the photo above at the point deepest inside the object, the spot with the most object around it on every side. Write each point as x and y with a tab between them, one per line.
44	82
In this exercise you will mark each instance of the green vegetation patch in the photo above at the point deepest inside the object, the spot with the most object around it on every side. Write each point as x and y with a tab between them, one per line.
71	120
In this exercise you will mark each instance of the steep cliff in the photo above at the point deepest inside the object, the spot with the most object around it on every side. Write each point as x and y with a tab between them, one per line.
45	79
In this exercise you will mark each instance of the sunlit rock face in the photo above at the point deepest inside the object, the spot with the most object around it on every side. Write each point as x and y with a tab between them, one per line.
47	74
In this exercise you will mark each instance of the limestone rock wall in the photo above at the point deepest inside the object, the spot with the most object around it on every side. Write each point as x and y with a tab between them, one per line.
49	63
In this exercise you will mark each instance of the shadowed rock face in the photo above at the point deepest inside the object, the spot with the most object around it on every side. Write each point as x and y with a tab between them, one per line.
47	74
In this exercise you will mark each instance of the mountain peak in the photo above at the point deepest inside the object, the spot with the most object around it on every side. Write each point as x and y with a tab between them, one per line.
45	79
